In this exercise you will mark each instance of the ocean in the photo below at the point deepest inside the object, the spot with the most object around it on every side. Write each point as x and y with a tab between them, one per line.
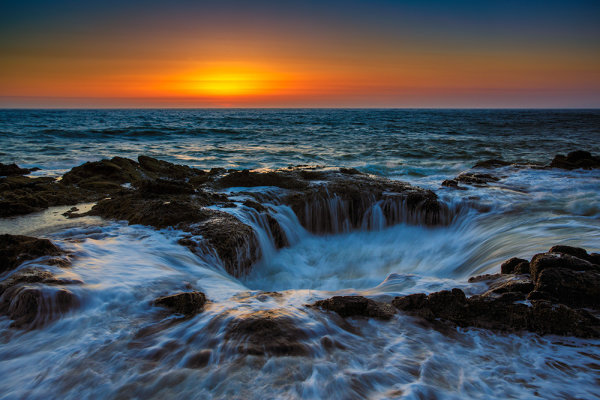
96	351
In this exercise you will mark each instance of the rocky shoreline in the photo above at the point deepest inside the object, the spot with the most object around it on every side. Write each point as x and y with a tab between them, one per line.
557	292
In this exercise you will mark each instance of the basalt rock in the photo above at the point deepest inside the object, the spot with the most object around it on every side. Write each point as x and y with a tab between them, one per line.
14	169
186	303
515	266
235	243
575	160
356	306
560	291
246	178
472	178
267	332
16	249
33	296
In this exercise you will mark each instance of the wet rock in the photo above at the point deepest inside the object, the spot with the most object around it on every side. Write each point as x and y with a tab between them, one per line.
573	251
356	306
158	213
575	160
521	285
350	171
199	359
560	285
14	169
491	163
452	183
571	287
515	266
16	249
107	174
160	187
267	332
186	303
345	202
235	243
34	297
246	178
542	261
35	306
163	169
472	178
501	313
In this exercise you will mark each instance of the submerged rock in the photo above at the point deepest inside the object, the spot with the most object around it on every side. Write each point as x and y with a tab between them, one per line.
491	163
267	332
186	303
559	286
356	306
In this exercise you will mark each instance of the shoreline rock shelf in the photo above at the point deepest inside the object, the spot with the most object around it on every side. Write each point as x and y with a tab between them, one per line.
160	194
561	295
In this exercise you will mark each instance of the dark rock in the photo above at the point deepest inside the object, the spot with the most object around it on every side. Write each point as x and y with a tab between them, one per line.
163	169
356	306
253	204
246	178
235	243
570	287
199	359
472	178
515	285
542	261
500	313
267	332
165	187
491	163
510	266
575	160
452	183
15	249
573	251
109	174
14	169
350	171
186	303
35	306
485	278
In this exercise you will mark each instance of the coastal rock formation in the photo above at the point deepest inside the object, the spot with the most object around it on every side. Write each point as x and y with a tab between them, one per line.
16	249
160	194
555	298
186	303
356	306
33	297
14	169
575	160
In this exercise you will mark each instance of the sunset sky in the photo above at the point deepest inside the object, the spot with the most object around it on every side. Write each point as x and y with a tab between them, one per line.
377	53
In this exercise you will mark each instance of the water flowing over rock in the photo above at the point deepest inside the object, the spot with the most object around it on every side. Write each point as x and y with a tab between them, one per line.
266	332
559	286
16	249
325	200
33	297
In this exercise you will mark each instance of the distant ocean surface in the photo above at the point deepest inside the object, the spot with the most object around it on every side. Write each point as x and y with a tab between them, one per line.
386	142
97	352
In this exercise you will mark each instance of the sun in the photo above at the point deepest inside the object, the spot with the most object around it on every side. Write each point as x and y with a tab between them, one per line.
227	81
